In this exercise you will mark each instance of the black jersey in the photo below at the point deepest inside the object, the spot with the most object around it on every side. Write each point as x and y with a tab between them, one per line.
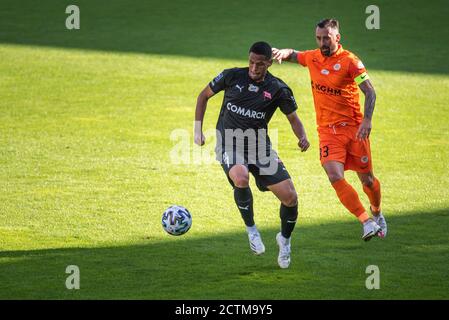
248	104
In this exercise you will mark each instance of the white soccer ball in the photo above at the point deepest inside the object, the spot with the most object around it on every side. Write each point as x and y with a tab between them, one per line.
176	220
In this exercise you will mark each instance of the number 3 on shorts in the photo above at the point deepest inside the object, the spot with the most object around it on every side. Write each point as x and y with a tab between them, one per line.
324	152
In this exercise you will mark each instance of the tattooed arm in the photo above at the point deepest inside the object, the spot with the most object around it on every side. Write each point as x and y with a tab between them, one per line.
370	100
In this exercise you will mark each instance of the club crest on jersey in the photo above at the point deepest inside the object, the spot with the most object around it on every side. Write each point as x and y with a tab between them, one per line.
253	88
337	66
325	72
266	95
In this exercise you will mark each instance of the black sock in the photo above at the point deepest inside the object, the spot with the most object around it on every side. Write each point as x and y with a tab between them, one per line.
244	200
288	220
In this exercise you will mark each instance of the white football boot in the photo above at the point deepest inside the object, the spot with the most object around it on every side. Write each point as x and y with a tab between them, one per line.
255	242
370	229
380	220
284	251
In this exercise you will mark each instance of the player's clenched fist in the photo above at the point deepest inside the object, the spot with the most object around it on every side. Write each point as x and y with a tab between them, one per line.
303	144
200	139
364	129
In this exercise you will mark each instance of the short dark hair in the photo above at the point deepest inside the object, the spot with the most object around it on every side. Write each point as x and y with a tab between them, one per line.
262	48
329	22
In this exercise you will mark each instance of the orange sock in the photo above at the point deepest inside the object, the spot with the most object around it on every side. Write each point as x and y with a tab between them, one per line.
373	194
350	199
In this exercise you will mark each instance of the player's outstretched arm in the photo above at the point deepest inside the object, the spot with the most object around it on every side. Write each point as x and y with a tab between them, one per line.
289	55
201	105
299	131
370	100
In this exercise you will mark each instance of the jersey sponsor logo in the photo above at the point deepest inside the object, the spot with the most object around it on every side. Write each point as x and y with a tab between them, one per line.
245	112
337	66
360	65
239	87
253	88
325	72
325	89
266	95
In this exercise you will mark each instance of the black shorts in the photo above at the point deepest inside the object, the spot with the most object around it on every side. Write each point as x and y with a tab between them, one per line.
266	173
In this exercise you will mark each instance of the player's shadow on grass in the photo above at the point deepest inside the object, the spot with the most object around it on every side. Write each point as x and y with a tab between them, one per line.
328	261
226	29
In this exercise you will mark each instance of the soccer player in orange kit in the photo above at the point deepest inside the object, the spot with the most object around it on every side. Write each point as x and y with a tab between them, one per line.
342	129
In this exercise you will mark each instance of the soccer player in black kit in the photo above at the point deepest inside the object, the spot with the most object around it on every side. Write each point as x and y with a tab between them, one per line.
251	97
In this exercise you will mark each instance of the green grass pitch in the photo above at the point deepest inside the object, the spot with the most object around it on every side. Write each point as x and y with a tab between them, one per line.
86	118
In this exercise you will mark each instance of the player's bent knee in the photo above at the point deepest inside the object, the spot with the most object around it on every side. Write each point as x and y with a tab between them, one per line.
368	181
241	181
239	176
334	177
291	199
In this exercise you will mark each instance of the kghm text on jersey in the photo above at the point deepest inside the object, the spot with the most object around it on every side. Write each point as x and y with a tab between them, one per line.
325	89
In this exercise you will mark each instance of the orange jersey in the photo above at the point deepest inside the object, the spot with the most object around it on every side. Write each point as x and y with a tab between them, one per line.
334	85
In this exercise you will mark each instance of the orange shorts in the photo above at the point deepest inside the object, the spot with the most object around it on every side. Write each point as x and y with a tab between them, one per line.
338	143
